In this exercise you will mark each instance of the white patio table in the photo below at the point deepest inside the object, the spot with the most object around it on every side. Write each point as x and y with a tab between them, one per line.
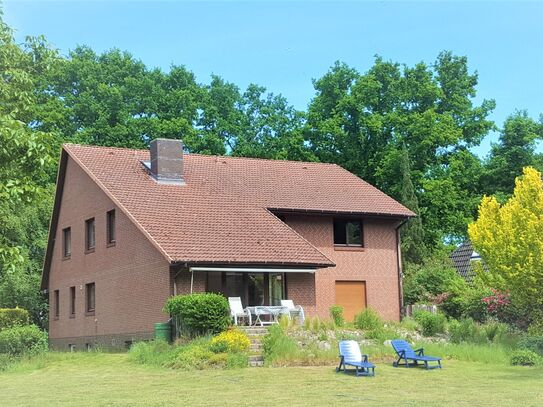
273	311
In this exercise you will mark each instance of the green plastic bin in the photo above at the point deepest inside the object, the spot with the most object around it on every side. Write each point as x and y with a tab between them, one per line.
163	330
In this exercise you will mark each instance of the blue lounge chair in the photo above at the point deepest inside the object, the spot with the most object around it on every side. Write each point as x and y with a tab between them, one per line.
405	352
350	355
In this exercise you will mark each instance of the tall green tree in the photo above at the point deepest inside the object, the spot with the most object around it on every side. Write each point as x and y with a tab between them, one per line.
25	157
362	122
515	149
413	245
271	127
113	99
24	151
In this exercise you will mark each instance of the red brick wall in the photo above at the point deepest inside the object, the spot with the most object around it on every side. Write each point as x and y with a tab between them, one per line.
376	264
183	281
132	278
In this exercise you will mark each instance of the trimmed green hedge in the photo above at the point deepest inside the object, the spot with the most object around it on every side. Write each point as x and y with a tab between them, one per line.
200	313
10	317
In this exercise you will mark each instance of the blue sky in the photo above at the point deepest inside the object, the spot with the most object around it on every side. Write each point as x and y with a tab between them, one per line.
283	45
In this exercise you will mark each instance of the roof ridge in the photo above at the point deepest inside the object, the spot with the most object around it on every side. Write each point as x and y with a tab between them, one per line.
143	150
93	146
261	159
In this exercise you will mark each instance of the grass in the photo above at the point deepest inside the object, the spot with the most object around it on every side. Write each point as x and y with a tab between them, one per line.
101	379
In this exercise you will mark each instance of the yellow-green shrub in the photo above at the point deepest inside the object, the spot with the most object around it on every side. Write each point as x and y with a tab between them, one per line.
232	340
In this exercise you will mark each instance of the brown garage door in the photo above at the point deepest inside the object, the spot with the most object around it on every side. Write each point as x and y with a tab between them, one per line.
351	295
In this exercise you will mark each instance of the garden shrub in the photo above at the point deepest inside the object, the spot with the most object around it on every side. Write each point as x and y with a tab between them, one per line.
5	361
200	313
465	330
21	340
10	317
464	300
196	356
431	324
317	325
154	353
232	340
533	343
277	344
429	279
368	320
409	324
494	331
236	360
536	328
336	312
285	322
381	334
524	357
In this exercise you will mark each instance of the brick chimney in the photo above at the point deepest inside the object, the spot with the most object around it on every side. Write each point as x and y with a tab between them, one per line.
167	161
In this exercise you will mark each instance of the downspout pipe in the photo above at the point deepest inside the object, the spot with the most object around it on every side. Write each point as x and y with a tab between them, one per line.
399	264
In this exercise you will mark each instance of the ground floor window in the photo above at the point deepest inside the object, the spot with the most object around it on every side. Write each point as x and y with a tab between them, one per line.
90	290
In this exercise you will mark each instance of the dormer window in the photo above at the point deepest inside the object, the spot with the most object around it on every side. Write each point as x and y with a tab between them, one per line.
348	233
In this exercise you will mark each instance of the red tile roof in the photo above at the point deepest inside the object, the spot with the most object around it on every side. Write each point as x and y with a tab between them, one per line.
221	214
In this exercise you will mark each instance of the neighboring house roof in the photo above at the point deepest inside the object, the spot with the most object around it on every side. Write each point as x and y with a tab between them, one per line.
462	258
222	214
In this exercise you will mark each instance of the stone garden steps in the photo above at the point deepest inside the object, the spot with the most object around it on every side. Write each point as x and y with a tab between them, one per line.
255	334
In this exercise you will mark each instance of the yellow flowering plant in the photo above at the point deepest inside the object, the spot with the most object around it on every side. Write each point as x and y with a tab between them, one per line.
231	340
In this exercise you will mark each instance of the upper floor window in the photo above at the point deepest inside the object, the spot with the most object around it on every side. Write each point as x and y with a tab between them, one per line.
66	242
56	303
110	229
90	241
348	232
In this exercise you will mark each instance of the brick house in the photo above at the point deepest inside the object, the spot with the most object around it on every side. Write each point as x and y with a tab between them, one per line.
130	228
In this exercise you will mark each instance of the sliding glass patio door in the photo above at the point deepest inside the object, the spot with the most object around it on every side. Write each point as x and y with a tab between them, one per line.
254	289
276	288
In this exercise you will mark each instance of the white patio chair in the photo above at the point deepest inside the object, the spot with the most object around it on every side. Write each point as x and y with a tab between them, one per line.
294	310
237	311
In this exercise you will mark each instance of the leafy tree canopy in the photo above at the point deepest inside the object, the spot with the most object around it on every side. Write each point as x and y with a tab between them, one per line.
24	151
372	123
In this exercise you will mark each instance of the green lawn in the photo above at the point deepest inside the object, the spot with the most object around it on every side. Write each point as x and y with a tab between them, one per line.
99	379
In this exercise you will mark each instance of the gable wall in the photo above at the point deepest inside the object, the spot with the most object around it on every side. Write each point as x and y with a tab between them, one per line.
376	264
132	278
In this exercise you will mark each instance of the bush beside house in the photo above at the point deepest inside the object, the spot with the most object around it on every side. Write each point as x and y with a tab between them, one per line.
17	337
200	313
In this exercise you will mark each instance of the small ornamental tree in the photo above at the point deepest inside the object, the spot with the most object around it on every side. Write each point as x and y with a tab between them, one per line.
509	238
